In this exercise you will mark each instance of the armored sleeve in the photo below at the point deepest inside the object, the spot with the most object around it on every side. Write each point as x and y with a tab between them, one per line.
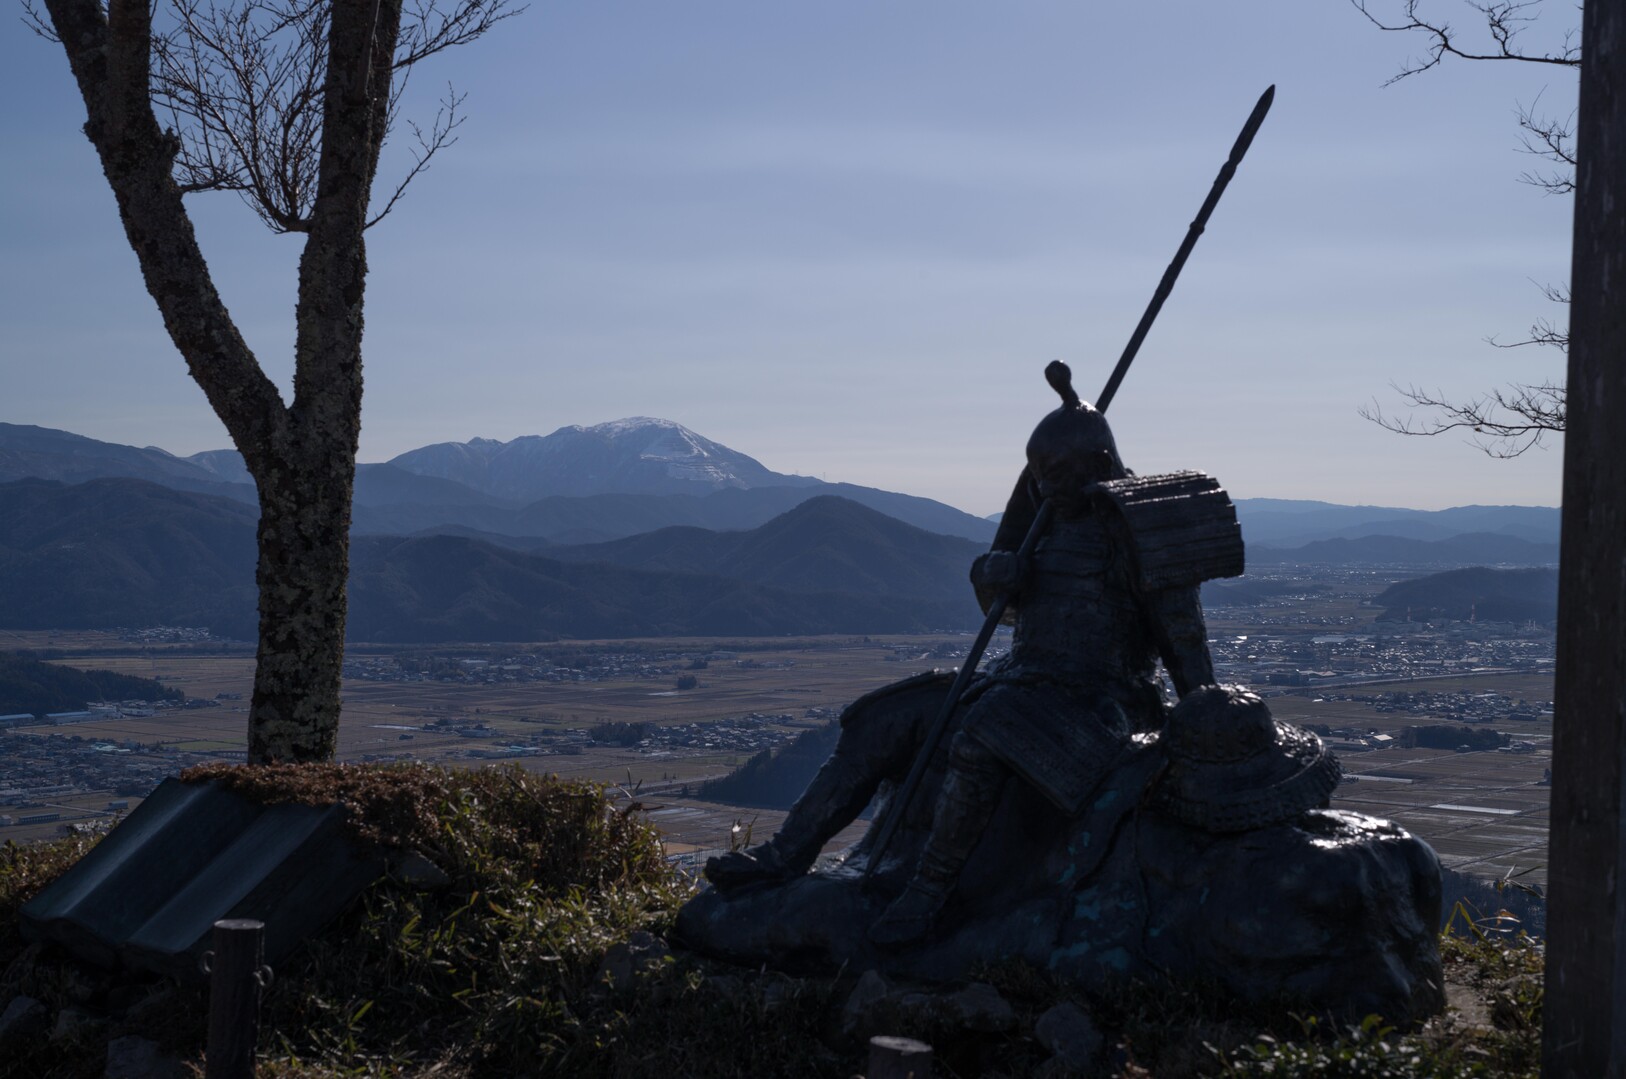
1182	637
1014	523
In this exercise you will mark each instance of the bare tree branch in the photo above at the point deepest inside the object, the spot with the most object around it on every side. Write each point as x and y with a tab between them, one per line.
426	29
1504	20
438	137
1505	423
107	51
240	86
1552	139
1543	331
1510	421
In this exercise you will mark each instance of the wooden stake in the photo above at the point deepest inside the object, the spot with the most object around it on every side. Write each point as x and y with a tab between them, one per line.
235	980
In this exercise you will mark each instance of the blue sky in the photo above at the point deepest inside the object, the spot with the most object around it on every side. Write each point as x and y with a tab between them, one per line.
845	238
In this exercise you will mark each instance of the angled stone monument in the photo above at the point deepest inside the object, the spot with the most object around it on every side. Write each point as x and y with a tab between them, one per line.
148	895
1061	812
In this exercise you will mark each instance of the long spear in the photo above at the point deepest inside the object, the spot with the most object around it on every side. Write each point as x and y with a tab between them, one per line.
1041	519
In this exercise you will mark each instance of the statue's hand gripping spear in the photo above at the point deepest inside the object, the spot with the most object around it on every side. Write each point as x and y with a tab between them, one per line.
1055	373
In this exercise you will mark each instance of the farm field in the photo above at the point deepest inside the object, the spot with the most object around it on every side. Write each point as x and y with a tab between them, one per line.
1484	811
540	724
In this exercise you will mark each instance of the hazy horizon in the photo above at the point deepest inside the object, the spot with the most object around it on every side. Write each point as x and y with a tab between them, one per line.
362	460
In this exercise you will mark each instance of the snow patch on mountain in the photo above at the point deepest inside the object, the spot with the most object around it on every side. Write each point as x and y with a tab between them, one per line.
635	455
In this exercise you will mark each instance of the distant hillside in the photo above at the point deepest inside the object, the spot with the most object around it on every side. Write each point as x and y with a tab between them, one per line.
1280	522
126	553
826	544
43	453
117	552
775	778
28	685
1468	549
603	517
451	588
578	485
227	464
28	452
1488	595
386	485
641	455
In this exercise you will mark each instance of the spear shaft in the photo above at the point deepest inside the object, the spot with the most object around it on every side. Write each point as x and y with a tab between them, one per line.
1041	519
1198	223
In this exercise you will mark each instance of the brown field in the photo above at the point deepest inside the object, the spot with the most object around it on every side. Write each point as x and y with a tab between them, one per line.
1484	812
784	678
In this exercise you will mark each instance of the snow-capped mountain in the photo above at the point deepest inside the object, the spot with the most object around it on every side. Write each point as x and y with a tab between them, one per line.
639	455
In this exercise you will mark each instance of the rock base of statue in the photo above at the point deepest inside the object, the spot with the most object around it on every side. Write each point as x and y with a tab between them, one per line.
1334	911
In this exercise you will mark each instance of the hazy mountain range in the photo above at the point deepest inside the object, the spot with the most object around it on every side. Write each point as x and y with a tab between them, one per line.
1286	523
637	527
1494	548
577	485
114	552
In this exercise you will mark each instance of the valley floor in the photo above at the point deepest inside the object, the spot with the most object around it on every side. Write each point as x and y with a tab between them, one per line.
610	711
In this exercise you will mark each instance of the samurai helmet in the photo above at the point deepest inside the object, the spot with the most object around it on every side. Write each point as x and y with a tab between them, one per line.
1073	445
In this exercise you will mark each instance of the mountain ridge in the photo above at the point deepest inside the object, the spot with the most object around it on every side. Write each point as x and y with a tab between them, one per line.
393	500
122	552
636	455
1466	548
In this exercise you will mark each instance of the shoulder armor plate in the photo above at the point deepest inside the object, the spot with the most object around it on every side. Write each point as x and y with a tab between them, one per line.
1183	525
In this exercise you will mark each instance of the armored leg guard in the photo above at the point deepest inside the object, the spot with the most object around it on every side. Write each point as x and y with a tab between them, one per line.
838	793
970	792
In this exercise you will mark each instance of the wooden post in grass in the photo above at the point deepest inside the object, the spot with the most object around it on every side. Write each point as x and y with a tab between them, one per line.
898	1058
1584	1012
236	976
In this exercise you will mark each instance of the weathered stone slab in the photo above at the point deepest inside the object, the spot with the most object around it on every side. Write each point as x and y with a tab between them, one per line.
149	894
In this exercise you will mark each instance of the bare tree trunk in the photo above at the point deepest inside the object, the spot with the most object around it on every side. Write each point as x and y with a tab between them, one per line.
305	491
1583	1035
302	456
304	561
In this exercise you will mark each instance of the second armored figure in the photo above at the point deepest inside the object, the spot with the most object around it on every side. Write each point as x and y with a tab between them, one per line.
1111	588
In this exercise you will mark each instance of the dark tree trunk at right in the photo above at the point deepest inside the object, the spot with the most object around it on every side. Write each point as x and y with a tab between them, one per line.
1584	1013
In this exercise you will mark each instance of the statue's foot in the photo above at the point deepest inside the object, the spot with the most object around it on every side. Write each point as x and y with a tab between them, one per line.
908	919
761	864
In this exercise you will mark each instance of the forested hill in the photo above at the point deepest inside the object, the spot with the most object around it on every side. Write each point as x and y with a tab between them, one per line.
826	544
28	685
447	588
1488	595
775	778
